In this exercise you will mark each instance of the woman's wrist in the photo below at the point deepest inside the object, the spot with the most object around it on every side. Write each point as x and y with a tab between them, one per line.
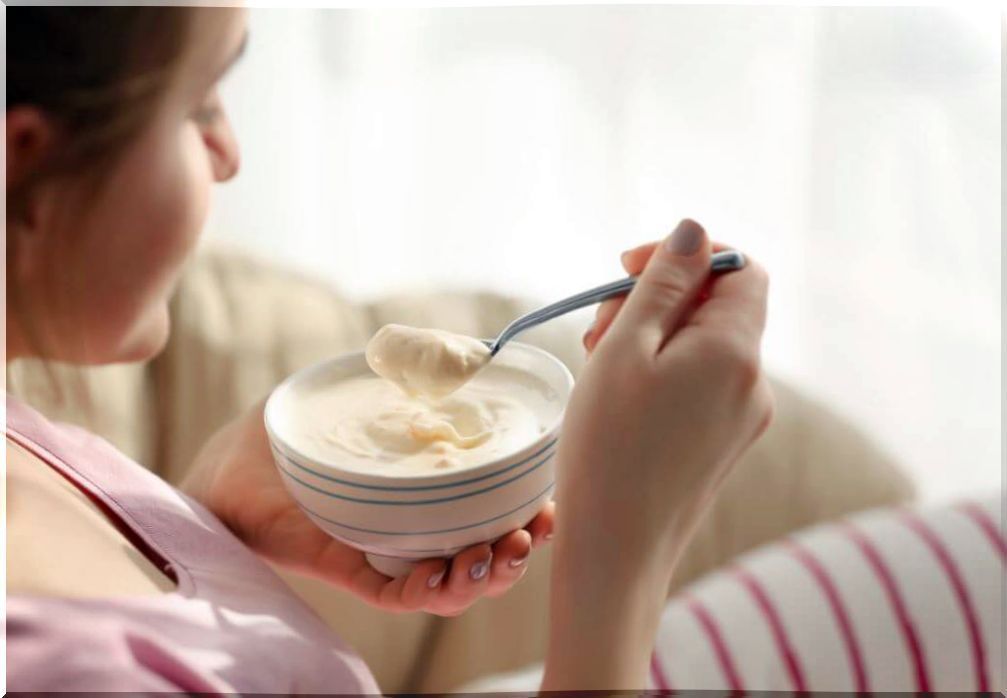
605	608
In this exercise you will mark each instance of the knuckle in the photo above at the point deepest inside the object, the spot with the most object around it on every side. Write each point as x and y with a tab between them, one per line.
767	411
670	283
748	369
733	357
706	346
413	602
759	272
722	349
389	603
623	356
755	270
761	280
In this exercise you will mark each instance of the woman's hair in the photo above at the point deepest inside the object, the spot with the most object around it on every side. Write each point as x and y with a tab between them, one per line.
96	74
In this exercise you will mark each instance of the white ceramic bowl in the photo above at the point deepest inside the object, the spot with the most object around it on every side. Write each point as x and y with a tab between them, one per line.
399	520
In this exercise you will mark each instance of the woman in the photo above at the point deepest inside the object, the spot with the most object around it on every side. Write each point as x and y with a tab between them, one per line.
117	581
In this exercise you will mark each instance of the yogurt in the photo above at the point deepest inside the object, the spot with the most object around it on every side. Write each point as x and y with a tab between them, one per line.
369	424
422	362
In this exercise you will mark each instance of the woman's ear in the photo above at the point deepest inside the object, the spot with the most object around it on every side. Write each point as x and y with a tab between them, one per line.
29	140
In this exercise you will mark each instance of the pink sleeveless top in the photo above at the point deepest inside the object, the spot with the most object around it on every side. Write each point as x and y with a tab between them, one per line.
231	625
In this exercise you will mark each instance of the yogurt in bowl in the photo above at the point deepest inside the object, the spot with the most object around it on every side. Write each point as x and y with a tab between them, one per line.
405	477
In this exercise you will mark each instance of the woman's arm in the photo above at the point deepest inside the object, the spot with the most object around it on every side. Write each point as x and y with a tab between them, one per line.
671	398
602	623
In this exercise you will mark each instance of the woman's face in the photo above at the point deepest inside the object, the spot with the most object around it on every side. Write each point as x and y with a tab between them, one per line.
108	275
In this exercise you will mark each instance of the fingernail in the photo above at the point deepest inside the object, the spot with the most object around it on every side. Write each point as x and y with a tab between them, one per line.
588	333
479	570
685	240
518	561
435	579
622	257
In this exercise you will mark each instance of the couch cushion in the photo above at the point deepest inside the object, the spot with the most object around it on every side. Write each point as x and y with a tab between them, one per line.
115	401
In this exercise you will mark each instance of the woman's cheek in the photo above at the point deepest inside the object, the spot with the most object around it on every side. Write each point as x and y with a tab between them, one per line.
198	178
181	210
184	206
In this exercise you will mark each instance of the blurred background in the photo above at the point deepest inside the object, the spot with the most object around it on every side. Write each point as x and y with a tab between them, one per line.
854	151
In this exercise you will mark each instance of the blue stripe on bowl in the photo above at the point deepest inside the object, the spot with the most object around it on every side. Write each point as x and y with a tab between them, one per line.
375	548
418	488
418	502
422	533
367	549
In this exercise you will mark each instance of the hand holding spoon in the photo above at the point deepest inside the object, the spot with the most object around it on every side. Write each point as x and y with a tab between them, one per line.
435	363
728	260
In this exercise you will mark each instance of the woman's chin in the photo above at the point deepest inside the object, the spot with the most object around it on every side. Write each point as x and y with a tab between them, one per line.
147	340
132	339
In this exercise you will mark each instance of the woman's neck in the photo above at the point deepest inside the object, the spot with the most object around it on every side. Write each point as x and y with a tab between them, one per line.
14	345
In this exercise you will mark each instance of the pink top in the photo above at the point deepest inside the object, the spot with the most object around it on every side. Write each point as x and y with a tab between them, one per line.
231	626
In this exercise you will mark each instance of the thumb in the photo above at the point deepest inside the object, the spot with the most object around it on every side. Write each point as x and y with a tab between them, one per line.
669	284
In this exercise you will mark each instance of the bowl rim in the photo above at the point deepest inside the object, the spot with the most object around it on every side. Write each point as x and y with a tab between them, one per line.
549	434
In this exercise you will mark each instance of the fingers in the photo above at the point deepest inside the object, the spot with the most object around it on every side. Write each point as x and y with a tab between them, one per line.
737	303
422	584
467	579
667	286
540	528
603	320
447	588
634	260
510	561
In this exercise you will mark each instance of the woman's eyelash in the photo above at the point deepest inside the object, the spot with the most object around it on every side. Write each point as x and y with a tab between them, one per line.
206	114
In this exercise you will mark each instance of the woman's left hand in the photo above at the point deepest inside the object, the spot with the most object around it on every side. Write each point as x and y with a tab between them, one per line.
235	478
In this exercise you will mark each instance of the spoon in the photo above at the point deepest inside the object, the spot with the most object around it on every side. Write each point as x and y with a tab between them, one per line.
728	260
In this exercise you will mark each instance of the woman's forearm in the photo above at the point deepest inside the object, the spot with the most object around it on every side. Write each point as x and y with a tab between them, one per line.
602	621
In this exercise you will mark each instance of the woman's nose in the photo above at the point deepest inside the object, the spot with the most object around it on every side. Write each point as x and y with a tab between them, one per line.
225	152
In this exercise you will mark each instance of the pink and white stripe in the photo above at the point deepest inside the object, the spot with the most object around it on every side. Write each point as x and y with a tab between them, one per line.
889	600
892	600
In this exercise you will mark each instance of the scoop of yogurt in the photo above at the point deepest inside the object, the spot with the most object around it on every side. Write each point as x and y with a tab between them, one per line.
423	362
366	423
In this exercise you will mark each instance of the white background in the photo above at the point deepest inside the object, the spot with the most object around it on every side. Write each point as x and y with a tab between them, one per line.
854	151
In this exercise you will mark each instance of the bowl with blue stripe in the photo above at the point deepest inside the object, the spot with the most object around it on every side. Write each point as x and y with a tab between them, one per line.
398	520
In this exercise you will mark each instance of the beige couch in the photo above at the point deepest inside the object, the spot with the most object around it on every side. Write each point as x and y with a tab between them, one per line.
240	326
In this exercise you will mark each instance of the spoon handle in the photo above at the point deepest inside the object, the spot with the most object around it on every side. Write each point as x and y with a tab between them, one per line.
728	260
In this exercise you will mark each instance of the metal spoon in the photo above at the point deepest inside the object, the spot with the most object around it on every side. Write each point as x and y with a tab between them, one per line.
729	260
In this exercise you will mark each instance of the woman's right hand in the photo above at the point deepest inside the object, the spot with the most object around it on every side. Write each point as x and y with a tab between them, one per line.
672	395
